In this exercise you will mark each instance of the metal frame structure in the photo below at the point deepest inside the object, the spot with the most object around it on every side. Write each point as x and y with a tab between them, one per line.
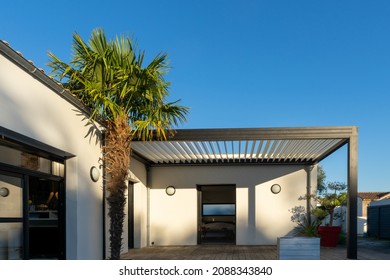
247	146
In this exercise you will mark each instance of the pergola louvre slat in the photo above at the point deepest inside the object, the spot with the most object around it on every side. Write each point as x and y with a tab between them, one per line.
190	154
315	149
279	150
181	150
226	150
203	145
177	152
266	148
219	150
194	151
253	149
167	157
259	150
272	150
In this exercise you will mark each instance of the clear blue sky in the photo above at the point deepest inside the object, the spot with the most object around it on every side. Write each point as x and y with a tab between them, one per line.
246	63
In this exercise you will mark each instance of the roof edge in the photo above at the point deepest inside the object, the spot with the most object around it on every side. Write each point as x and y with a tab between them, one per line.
38	74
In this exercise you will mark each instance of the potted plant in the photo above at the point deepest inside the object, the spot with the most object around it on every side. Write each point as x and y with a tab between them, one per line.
333	196
304	244
306	222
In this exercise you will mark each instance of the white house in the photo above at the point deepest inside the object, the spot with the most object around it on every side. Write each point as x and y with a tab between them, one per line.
200	186
50	207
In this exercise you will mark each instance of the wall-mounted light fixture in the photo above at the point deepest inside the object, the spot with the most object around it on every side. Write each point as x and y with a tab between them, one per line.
275	188
4	192
170	190
94	173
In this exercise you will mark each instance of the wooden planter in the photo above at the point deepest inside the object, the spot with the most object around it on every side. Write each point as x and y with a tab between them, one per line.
298	248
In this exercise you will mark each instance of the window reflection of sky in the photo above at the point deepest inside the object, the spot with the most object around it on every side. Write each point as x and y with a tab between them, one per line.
218	209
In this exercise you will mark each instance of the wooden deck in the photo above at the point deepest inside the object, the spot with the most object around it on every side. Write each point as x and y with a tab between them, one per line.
366	251
219	252
203	252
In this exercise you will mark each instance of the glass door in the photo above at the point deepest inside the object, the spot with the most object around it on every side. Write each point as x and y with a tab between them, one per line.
32	204
11	217
217	214
45	234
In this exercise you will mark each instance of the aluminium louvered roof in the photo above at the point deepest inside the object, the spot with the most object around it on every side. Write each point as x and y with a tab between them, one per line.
245	146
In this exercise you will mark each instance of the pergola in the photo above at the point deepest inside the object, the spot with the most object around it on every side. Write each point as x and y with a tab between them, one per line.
250	146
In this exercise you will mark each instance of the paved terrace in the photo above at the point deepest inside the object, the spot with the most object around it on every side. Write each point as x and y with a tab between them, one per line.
367	250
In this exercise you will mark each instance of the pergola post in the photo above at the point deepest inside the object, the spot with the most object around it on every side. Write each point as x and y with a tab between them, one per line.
352	195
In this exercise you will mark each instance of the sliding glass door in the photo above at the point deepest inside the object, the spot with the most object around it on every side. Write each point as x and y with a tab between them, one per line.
44	218
11	217
31	217
32	210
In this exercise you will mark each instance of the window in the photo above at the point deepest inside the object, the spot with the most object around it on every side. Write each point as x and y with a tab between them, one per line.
219	209
30	161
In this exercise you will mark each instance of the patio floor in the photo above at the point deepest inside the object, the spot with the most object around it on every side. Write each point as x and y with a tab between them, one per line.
367	250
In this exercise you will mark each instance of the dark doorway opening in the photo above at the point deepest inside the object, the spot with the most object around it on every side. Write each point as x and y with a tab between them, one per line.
45	218
217	214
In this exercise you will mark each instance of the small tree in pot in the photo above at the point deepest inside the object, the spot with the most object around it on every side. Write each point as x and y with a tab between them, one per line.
330	198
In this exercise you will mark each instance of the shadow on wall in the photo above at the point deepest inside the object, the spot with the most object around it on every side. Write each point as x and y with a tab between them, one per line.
273	218
188	177
162	236
93	131
261	215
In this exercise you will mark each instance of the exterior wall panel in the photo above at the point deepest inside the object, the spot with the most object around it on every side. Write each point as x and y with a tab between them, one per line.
379	221
261	216
139	174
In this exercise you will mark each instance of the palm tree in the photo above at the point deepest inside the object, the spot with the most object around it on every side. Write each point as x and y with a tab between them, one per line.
131	101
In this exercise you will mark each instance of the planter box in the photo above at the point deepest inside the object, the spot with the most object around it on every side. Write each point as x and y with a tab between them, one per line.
298	248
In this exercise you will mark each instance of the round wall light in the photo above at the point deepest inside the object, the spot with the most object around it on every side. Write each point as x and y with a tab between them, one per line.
275	188
4	192
170	190
94	173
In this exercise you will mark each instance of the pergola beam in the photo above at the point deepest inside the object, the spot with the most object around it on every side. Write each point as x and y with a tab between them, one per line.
231	134
352	195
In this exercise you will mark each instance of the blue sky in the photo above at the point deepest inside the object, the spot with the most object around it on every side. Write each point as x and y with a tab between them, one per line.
245	63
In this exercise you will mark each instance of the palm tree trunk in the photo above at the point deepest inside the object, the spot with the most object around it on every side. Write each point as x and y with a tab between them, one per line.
117	160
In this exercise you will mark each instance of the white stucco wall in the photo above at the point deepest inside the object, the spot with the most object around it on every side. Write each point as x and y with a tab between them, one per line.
140	204
30	108
138	175
359	206
261	216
